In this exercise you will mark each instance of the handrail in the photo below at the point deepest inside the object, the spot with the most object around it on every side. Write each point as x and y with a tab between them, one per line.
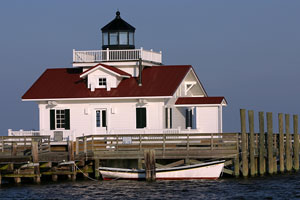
116	55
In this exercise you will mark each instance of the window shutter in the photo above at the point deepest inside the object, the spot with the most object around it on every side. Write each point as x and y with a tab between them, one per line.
141	121
166	114
103	118
170	117
52	119
186	118
67	119
191	118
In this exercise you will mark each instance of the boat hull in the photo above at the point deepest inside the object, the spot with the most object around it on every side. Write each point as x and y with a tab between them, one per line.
211	170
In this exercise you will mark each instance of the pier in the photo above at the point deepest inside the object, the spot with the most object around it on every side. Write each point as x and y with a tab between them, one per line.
246	153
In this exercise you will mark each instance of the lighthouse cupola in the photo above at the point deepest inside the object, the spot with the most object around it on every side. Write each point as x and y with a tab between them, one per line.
118	34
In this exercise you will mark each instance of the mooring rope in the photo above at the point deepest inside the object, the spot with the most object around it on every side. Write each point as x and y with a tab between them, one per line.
84	173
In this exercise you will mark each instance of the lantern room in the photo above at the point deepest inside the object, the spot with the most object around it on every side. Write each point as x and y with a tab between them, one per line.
118	34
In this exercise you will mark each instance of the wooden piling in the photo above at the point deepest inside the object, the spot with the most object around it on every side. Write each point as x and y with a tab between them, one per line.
251	145
71	158
270	142
96	169
236	159
77	146
14	149
275	167
245	168
262	166
288	143
35	159
296	143
0	179
149	156
281	143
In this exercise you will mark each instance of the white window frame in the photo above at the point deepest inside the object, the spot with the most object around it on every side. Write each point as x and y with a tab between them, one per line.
103	78
56	119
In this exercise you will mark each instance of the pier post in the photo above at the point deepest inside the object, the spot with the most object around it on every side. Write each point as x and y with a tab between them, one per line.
288	143
251	145
150	164
77	146
270	142
281	143
296	143
71	158
96	168
35	159
84	145
262	166
275	167
245	168
14	149
236	159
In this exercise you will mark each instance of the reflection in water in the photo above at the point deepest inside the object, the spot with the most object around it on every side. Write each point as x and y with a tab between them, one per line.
276	187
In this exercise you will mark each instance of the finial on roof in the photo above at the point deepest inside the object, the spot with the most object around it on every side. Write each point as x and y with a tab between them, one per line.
118	14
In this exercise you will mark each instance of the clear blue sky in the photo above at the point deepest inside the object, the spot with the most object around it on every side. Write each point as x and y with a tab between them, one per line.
247	51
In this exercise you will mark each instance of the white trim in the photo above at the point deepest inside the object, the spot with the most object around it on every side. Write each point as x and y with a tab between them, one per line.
105	69
198	105
99	98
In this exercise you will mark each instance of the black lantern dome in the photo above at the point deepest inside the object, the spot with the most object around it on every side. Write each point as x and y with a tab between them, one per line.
118	34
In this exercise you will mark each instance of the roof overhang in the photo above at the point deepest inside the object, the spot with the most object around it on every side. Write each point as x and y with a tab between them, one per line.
99	98
100	66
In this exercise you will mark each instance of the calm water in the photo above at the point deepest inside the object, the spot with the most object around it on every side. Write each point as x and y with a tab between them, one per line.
276	187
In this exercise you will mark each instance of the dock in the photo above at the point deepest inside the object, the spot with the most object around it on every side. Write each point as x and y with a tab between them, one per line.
246	153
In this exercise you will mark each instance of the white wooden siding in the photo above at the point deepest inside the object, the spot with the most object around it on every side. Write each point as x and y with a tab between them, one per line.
208	119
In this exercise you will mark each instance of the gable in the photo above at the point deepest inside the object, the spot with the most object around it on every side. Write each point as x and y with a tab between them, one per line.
191	86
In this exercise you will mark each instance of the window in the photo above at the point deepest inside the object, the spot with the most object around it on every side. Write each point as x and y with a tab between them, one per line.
188	118
113	38
131	38
105	39
100	118
123	37
168	115
102	82
60	119
141	120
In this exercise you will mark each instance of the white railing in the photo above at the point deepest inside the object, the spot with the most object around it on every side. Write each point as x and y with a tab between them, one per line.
66	134
92	56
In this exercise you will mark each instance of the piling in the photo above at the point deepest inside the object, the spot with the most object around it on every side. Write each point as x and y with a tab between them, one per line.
296	143
96	168
245	169
262	166
71	158
270	142
288	143
14	149
251	145
35	159
149	156
281	143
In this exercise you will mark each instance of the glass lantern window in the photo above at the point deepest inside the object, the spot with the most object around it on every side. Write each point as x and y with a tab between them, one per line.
123	37
105	38
113	37
131	38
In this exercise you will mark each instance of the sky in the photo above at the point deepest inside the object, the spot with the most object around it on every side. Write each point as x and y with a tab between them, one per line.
247	51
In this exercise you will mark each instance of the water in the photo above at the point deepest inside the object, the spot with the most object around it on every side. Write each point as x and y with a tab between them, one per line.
276	187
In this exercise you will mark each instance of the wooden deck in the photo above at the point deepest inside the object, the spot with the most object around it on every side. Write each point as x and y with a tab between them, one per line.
166	146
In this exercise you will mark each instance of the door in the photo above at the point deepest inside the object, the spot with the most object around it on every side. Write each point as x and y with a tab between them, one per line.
100	120
141	120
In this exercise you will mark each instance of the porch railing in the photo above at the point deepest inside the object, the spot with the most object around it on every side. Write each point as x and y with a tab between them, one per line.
182	143
92	56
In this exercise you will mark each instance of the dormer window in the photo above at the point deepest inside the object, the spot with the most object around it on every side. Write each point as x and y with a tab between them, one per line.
102	82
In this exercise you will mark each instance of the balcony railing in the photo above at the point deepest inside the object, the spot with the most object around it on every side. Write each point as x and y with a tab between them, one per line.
93	56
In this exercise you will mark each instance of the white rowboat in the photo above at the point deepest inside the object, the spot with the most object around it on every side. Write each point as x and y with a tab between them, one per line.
208	170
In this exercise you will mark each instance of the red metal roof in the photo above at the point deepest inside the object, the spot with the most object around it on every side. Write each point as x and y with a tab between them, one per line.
199	100
66	83
111	68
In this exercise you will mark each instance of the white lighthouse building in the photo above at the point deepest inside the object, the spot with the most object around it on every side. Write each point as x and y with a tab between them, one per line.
122	89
